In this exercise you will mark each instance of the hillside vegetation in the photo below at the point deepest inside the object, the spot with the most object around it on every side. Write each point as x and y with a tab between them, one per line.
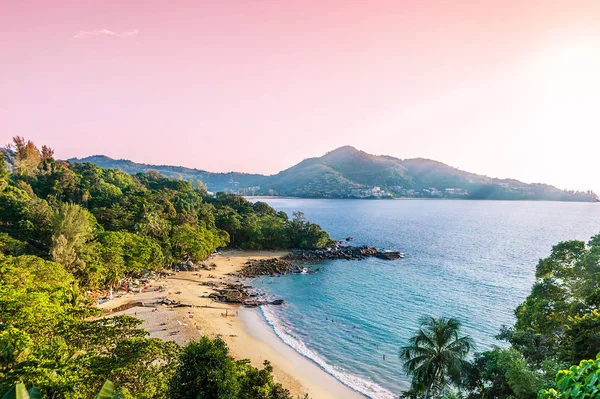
67	228
548	353
349	173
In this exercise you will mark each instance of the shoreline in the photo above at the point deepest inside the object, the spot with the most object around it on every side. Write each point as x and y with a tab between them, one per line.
319	383
416	199
245	331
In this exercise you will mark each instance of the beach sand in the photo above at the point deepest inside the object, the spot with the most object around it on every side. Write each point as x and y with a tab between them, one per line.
244	330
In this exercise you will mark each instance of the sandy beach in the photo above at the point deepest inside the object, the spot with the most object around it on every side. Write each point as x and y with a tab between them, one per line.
244	330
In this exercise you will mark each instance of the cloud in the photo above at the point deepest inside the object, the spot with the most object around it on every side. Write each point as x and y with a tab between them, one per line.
105	32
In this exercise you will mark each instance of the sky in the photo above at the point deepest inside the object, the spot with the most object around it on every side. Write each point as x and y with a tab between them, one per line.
501	88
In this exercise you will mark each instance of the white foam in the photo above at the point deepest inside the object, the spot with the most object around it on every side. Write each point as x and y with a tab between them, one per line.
357	383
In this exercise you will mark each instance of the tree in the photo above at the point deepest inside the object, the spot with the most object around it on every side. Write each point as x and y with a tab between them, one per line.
578	382
25	217
4	173
47	153
306	235
201	187
72	227
487	376
560	318
122	252
206	371
26	156
230	221
196	243
436	355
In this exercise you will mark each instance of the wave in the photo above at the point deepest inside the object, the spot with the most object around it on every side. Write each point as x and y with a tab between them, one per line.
357	383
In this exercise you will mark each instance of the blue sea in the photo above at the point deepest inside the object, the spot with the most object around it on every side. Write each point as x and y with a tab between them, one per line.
472	260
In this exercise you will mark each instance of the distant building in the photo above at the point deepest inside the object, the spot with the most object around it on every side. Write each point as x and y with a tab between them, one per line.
375	192
456	191
433	192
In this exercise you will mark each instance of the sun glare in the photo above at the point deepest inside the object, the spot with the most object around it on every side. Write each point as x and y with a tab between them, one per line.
569	77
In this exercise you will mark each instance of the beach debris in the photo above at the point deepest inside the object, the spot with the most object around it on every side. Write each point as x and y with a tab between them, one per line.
169	302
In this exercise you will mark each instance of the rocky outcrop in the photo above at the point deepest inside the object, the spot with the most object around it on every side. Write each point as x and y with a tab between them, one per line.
341	252
189	266
268	267
239	294
389	255
230	295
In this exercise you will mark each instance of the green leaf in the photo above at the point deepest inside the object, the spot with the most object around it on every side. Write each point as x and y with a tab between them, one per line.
18	391
107	391
35	393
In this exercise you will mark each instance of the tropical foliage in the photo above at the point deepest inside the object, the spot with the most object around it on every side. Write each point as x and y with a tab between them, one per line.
436	356
102	224
578	382
206	370
68	228
558	325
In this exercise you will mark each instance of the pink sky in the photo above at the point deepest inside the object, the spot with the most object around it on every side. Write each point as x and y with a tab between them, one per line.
503	88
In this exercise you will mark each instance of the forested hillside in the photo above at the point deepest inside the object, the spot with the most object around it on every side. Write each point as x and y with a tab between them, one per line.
349	173
66	228
214	181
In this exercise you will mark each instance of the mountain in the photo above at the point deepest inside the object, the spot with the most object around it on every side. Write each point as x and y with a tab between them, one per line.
350	173
231	181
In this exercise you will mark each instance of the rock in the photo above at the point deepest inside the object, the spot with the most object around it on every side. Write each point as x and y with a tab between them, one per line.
232	293
389	255
340	252
268	267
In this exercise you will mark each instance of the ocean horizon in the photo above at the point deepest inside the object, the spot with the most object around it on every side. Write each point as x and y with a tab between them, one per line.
472	260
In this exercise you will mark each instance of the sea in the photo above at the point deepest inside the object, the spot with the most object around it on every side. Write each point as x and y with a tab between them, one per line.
471	260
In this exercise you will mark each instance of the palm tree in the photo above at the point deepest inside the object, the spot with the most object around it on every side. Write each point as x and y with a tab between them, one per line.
113	279
436	355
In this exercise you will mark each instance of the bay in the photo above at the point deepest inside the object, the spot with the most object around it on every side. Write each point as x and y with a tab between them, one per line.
472	260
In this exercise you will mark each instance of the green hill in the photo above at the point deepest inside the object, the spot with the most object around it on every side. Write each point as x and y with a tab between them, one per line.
350	173
215	182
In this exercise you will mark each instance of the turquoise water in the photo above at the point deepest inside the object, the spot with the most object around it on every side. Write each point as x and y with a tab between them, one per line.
473	260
